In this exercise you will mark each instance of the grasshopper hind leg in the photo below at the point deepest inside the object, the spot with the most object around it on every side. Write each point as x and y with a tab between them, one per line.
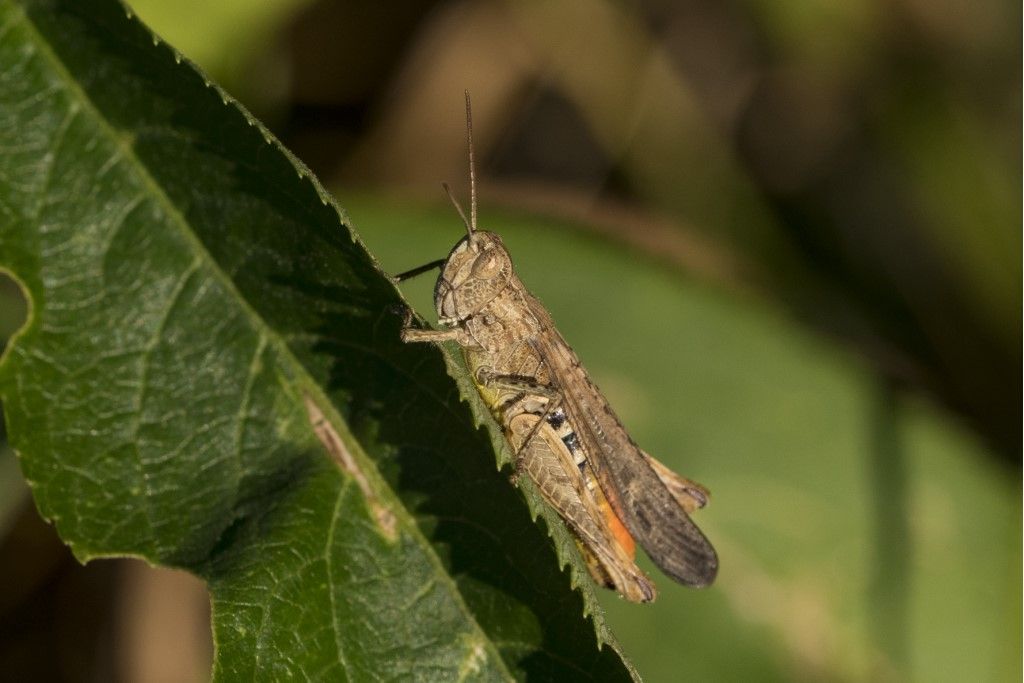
549	465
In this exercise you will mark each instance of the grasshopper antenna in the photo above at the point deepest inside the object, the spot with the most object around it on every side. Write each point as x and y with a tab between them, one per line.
471	223
458	207
472	165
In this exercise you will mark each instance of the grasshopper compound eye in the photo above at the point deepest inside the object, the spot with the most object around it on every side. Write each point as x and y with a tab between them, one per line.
487	265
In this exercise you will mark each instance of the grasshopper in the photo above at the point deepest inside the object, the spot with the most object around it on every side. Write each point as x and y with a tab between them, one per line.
566	437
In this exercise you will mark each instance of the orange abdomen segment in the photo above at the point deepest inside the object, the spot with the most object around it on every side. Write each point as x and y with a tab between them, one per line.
618	529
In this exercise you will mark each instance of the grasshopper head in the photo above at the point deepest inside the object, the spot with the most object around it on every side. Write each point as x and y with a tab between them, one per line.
476	271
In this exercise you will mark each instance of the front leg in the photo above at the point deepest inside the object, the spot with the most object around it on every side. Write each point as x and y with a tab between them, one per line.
415	334
410	334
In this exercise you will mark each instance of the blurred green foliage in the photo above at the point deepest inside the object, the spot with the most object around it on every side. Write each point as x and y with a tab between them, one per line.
784	429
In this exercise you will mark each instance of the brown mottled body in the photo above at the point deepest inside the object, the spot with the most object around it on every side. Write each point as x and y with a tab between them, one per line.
535	386
566	436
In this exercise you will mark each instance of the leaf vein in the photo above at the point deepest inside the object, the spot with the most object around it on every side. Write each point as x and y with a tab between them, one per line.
328	548
143	386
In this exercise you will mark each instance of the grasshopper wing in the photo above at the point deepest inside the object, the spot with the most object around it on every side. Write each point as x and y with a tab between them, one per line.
638	495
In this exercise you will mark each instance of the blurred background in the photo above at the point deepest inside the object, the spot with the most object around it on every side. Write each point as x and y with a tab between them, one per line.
785	237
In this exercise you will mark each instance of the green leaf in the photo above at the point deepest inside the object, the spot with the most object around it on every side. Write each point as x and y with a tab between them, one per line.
195	298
